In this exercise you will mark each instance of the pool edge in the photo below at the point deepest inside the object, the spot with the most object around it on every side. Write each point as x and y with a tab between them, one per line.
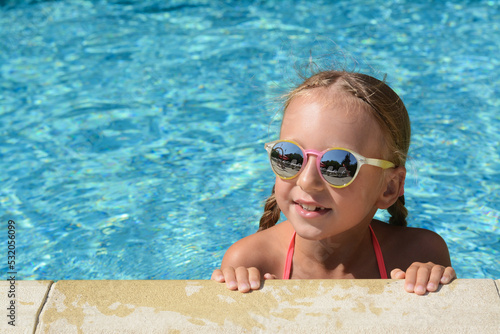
300	305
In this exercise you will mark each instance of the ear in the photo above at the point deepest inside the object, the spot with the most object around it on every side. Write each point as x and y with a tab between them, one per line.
393	188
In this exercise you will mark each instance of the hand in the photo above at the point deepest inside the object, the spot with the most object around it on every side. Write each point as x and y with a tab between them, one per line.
423	277
241	278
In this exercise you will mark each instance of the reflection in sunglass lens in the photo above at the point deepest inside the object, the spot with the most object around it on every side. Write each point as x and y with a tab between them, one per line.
338	167
286	159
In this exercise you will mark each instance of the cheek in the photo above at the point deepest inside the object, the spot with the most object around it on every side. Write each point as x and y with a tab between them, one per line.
282	192
370	184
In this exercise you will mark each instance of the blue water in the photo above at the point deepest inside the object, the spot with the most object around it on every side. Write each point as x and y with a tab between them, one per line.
132	131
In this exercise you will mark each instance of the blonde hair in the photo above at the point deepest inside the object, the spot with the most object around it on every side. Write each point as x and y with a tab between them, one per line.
389	112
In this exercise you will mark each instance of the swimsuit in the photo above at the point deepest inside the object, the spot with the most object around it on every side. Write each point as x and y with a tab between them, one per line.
376	248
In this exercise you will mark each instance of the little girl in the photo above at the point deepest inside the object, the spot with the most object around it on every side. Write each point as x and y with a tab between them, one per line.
340	157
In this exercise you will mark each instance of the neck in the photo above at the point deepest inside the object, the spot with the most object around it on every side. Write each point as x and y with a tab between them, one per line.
348	254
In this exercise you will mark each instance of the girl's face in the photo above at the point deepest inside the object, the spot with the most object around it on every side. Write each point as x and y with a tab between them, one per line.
325	118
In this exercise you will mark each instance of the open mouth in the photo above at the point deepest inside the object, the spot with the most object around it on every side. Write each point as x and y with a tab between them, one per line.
311	208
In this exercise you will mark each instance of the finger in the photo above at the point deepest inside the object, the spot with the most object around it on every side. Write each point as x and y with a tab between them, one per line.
254	278
448	275
217	276
242	278
269	276
397	274
423	275
230	278
435	277
411	276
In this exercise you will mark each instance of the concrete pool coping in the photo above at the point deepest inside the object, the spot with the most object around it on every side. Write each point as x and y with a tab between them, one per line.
298	306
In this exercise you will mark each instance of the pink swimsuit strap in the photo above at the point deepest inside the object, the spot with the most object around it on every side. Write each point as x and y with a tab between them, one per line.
376	248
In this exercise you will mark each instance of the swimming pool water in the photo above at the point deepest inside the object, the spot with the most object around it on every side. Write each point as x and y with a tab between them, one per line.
132	131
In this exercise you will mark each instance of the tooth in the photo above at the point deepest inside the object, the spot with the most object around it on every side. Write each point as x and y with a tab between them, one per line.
311	208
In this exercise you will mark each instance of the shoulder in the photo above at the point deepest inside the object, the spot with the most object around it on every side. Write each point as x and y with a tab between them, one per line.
402	246
265	250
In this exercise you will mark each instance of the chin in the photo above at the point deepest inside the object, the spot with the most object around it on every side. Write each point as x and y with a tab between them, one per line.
309	232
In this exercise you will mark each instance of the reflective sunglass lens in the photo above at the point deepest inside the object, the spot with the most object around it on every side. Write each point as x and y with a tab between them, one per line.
338	167
286	159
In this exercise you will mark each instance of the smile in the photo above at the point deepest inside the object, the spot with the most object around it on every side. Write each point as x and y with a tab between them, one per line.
311	210
310	207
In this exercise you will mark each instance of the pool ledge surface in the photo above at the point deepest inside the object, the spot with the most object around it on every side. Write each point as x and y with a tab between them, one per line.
298	306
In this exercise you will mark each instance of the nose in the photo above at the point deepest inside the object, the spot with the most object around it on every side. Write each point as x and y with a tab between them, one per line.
309	179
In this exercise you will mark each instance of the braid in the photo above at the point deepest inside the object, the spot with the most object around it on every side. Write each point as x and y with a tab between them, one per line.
271	213
398	212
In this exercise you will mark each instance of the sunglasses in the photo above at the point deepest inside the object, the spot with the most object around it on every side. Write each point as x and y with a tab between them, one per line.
337	166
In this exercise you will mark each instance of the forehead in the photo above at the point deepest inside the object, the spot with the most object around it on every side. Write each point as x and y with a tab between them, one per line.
326	117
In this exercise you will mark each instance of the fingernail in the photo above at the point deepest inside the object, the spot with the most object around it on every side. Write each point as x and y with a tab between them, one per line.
254	285
243	287
409	287
431	286
445	279
232	285
420	290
